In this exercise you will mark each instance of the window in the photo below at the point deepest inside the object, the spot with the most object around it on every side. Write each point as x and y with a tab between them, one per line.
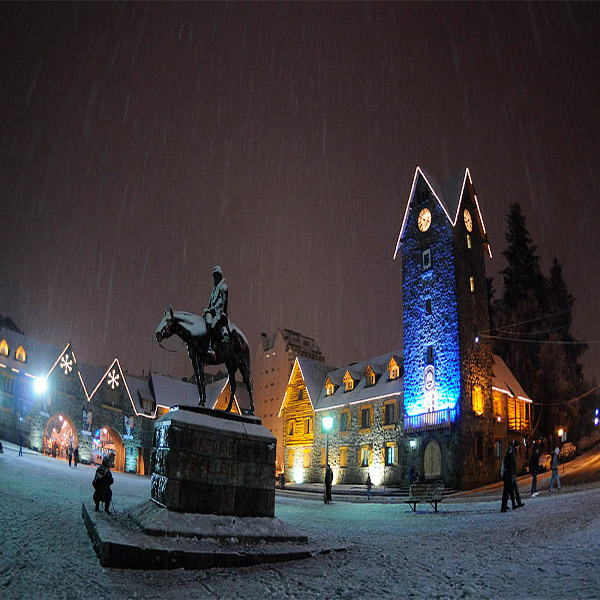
365	417
290	459
389	413
322	457
300	394
329	388
291	428
478	447
3	348
472	284
498	446
394	369
468	241
428	306
366	455
426	259
391	454
344	456
477	400
20	354
307	426
8	385
370	376
348	382
429	355
345	420
306	459
497	402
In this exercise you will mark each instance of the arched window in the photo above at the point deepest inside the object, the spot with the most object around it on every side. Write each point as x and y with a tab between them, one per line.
3	348
20	354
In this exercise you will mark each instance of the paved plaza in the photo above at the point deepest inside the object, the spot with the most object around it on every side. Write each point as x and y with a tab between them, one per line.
469	549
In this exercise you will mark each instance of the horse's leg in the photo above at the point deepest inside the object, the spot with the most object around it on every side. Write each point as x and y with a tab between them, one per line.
199	372
231	369
245	371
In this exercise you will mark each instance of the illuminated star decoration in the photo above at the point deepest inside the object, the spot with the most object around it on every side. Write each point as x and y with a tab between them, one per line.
66	364
113	379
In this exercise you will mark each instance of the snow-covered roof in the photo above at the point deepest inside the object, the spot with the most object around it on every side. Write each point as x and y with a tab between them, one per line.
170	392
504	381
383	387
449	195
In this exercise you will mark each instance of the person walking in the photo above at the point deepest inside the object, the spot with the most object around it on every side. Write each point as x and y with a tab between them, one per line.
21	445
554	467
70	454
534	465
369	486
509	476
76	456
328	482
102	482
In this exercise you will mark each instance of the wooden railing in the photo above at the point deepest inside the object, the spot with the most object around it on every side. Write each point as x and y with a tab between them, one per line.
430	420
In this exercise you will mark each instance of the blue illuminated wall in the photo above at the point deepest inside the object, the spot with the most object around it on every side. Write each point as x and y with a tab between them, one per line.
438	328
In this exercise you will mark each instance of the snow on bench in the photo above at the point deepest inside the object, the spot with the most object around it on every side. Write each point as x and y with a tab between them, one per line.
425	492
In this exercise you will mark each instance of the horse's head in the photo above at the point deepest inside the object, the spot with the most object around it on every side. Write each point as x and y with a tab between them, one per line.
166	327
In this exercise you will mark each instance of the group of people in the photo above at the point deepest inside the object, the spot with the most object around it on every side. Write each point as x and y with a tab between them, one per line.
73	455
509	475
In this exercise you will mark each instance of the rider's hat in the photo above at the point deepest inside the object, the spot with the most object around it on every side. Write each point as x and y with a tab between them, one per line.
218	269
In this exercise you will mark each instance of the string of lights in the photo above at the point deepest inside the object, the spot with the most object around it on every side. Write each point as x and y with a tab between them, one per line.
562	402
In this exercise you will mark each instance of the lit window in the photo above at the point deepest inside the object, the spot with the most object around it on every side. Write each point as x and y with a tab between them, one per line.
366	456
343	456
322	457
290	459
394	369
3	348
20	354
370	376
478	400
329	387
306	459
391	454
348	382
498	449
426	259
497	401
472	283
345	420
365	417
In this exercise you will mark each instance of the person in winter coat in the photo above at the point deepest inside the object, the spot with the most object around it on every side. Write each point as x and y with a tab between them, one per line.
328	482
369	486
510	479
554	467
102	482
76	455
534	465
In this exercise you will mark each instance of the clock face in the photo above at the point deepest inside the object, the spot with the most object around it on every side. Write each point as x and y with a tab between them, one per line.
429	377
424	220
468	220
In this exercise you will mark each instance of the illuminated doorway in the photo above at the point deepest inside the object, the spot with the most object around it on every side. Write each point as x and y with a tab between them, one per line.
59	435
106	441
432	461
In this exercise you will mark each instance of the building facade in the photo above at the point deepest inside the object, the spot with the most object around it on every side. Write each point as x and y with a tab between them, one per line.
54	401
458	405
271	367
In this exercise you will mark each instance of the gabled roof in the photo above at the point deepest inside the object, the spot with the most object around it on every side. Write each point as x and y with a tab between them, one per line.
449	195
383	387
504	381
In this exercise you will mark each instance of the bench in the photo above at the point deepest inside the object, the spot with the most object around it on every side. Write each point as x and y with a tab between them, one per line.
425	492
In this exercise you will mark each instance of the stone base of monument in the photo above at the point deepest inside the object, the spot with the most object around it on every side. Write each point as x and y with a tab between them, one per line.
212	500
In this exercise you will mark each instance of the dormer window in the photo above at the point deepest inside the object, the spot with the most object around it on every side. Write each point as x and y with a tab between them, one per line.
20	354
329	388
348	382
370	378
394	369
3	348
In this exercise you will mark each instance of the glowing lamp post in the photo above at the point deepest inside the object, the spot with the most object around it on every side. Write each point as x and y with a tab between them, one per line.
327	423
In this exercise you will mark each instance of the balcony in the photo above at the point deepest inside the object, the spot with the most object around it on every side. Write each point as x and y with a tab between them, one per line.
438	419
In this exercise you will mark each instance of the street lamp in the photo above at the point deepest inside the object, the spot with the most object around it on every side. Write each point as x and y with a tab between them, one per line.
327	423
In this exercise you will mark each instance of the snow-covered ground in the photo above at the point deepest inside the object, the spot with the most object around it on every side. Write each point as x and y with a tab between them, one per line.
549	548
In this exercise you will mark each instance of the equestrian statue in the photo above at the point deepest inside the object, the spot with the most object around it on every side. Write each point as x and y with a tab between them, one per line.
211	339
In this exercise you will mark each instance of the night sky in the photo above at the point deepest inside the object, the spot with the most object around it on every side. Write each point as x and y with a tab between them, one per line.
141	144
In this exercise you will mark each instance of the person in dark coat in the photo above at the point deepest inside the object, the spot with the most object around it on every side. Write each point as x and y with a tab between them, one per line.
534	465
70	453
21	445
510	479
328	482
102	482
76	455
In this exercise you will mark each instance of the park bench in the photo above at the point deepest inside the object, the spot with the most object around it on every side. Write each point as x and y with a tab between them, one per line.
425	492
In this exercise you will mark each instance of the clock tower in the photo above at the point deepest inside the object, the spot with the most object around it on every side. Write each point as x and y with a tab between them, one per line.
447	363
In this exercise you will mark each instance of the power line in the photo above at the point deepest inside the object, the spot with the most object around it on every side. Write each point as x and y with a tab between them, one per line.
568	401
513	339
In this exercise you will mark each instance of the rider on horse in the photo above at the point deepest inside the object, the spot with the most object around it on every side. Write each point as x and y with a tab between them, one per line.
215	314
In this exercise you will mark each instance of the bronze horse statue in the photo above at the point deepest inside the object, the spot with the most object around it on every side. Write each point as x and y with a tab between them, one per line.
193	332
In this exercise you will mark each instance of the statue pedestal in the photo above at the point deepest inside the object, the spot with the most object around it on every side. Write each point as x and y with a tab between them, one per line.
213	462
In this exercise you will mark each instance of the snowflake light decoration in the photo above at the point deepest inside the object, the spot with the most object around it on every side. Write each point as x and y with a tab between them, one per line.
66	364
113	379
